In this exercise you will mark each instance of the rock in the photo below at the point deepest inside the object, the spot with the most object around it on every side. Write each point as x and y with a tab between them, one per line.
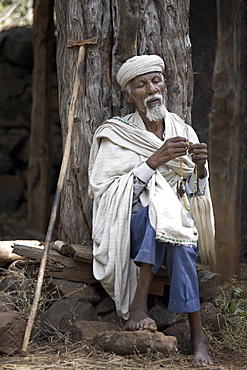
89	329
11	192
163	317
22	153
114	319
62	315
69	289
18	47
9	71
6	162
15	87
105	307
130	342
182	332
12	329
12	139
212	319
16	112
208	285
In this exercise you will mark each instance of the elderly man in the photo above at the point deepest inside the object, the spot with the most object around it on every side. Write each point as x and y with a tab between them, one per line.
143	169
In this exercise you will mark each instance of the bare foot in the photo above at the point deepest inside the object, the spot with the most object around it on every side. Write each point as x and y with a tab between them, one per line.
139	321
200	351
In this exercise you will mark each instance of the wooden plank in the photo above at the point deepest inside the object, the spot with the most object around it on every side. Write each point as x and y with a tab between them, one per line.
156	288
33	252
58	265
78	268
71	270
83	253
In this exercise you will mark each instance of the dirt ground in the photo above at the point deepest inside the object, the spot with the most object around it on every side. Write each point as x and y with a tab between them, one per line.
229	352
81	356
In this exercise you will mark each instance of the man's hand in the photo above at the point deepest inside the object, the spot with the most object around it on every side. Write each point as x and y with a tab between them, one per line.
172	148
199	155
177	147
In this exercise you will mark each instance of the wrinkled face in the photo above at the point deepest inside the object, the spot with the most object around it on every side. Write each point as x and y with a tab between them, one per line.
147	92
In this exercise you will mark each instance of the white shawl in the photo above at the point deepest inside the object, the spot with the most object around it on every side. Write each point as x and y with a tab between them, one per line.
119	146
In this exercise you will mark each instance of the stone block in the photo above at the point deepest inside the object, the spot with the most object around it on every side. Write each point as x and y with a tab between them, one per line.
62	315
114	319
11	191
182	332
208	285
12	329
130	342
163	317
87	330
63	288
105	307
6	163
18	47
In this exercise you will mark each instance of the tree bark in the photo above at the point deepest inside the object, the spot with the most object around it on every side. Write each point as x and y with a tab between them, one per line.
227	133
125	28
39	147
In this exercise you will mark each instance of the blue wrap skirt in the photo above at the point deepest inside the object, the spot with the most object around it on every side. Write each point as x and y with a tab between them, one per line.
180	261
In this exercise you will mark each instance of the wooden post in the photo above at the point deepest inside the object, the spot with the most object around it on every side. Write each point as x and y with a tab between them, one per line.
226	134
40	143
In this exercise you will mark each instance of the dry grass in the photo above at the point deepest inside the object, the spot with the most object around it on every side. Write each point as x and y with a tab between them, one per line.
228	352
83	356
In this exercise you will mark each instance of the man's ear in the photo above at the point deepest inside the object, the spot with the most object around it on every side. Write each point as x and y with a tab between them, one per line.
128	98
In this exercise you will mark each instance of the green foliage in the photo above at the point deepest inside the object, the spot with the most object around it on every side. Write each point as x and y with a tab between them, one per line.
16	13
232	306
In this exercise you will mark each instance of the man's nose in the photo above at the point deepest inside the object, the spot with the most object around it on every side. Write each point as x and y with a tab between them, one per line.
151	88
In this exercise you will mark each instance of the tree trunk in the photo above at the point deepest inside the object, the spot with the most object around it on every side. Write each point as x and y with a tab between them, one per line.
125	28
227	133
39	147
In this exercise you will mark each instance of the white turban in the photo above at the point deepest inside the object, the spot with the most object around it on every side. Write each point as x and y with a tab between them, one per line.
137	66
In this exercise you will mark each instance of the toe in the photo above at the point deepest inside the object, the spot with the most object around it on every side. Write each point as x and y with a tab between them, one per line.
152	327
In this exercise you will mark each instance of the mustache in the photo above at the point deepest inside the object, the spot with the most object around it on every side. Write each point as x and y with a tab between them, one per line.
154	96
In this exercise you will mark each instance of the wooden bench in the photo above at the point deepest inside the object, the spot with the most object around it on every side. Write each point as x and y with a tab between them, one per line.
76	266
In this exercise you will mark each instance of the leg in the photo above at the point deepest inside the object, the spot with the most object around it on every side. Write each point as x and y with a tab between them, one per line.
148	256
198	339
138	313
184	296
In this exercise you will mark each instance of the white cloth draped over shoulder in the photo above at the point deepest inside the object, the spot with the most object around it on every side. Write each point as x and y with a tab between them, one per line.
120	145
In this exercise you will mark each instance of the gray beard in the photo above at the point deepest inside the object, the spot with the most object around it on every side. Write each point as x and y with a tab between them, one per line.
157	112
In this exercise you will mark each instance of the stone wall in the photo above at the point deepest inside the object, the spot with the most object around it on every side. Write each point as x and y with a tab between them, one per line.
16	62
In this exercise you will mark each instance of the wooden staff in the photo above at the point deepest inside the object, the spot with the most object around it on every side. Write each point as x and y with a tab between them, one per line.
81	57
